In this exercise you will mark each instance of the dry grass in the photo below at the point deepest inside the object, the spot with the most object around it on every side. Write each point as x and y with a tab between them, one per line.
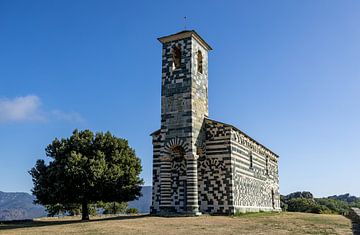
263	223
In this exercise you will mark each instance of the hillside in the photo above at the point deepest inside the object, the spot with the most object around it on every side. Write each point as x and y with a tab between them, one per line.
144	202
258	223
19	206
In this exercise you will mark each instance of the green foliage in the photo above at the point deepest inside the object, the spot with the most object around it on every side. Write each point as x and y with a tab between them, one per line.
87	168
113	207
304	202
303	205
355	204
283	203
352	201
132	211
333	205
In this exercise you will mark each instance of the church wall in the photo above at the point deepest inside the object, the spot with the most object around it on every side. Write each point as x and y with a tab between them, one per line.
157	145
214	171
255	176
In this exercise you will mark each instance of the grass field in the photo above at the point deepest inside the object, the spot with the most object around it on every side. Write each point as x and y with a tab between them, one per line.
261	223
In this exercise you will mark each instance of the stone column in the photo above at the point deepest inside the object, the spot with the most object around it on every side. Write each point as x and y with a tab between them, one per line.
192	185
165	184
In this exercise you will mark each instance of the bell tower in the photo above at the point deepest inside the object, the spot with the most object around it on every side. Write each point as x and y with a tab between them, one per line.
184	105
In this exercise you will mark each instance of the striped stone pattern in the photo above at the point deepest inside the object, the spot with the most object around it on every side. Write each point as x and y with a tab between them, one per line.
256	184
201	165
183	109
214	171
156	141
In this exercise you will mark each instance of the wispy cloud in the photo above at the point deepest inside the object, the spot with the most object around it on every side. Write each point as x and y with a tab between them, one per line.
67	116
28	109
25	108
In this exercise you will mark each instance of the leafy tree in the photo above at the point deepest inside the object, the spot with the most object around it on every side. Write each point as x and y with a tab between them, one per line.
87	168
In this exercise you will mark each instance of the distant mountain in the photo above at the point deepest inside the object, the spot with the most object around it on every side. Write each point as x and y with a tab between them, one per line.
19	206
143	203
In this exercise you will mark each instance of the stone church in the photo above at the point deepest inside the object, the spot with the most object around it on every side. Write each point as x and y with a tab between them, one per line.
201	165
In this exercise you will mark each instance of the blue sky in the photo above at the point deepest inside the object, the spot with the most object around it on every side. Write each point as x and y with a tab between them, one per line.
285	72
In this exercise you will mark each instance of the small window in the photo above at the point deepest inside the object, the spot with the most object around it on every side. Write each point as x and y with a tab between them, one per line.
176	56
273	198
199	62
267	165
251	160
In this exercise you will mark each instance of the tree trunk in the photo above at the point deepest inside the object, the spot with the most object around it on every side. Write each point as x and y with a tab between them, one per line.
85	211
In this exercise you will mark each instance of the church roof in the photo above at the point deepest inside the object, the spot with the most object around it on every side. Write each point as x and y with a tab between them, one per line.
185	34
236	129
155	132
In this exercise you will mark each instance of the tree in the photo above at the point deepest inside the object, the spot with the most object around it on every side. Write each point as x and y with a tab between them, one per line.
87	168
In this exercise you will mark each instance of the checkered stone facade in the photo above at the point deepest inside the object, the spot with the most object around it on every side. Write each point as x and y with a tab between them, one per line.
201	165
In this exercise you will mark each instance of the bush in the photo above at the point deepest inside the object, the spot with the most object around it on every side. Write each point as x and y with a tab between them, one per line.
283	203
113	207
68	209
305	202
303	205
132	211
334	206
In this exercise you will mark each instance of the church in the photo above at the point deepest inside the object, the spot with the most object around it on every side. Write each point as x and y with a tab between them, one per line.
201	165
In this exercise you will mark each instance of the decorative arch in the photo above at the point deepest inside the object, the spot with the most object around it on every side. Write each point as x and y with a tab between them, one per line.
176	146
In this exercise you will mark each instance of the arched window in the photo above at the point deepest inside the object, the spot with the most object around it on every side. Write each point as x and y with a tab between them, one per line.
177	152
176	56
199	62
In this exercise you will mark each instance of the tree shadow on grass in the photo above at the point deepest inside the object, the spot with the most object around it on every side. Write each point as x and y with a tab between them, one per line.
5	225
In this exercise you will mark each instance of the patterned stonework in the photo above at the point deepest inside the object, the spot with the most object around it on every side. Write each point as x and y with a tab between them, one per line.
201	165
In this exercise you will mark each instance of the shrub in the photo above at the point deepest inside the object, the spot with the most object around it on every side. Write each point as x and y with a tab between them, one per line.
303	205
132	211
113	207
334	206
